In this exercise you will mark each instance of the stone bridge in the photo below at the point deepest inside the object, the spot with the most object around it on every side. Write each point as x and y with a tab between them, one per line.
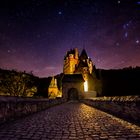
71	120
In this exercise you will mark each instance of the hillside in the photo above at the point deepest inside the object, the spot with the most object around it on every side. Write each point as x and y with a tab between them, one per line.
120	82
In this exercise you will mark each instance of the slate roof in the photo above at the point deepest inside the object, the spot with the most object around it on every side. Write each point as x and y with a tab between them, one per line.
82	64
83	55
73	78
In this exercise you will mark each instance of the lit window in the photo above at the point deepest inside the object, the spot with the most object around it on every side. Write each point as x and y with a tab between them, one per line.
85	86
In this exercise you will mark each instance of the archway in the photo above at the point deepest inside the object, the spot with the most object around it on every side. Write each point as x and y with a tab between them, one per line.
73	94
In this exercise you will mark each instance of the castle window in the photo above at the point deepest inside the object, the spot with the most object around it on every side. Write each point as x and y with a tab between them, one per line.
85	86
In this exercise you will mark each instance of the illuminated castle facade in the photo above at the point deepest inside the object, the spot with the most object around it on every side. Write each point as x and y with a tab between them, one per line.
77	64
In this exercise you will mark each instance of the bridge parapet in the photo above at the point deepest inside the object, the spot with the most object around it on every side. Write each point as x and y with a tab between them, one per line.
125	107
15	107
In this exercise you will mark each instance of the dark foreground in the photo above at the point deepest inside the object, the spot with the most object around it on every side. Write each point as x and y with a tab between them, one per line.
71	120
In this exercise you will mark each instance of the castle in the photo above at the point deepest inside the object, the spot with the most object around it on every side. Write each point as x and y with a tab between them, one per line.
77	76
75	64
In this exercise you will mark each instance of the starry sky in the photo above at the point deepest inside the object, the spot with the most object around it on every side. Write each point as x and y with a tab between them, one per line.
35	34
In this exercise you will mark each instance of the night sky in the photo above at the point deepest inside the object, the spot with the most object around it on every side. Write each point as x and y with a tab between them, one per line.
35	34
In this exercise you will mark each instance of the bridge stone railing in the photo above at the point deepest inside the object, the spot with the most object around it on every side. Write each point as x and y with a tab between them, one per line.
14	107
125	107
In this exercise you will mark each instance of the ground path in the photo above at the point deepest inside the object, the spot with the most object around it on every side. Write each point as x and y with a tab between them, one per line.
71	120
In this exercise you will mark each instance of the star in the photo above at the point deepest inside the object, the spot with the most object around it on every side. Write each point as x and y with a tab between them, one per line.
117	44
8	51
124	26
12	51
119	1
59	13
126	35
137	41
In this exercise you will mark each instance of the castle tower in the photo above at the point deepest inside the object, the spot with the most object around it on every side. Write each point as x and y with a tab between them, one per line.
70	61
53	89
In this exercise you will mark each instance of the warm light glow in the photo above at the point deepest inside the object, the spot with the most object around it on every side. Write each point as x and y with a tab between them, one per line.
85	86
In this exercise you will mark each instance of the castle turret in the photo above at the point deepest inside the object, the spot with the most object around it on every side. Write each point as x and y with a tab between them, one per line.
53	89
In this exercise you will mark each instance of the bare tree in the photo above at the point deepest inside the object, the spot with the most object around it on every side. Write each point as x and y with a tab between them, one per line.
17	84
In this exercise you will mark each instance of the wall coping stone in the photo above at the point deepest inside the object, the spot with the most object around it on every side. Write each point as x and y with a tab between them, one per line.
20	99
116	98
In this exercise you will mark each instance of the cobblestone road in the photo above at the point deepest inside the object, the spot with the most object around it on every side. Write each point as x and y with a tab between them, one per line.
71	120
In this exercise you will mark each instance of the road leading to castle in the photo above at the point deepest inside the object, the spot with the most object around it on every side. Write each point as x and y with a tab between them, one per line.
71	120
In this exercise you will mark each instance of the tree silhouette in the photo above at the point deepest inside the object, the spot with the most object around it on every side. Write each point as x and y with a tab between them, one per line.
17	84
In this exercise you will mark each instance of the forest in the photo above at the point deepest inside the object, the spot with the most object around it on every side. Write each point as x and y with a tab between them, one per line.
119	82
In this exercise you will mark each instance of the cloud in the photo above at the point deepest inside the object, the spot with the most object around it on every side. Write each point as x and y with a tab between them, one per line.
50	68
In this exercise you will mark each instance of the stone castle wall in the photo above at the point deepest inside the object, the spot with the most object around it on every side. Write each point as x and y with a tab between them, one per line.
14	107
125	107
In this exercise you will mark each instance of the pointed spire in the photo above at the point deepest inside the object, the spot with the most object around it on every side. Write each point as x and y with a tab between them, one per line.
53	82
83	55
